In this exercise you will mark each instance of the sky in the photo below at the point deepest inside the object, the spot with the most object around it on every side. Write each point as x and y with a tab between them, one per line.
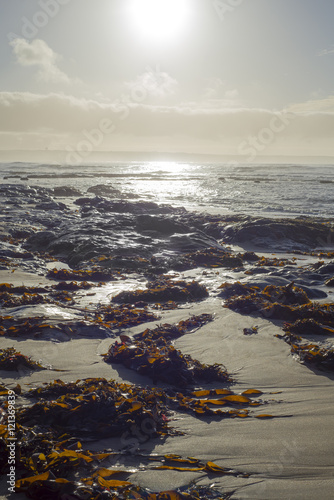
211	77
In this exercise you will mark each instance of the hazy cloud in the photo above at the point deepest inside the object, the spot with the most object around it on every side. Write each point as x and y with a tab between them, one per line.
213	88
326	52
314	106
155	82
217	95
63	119
38	53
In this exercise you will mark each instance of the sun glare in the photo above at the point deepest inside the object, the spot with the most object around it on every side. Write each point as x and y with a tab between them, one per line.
159	20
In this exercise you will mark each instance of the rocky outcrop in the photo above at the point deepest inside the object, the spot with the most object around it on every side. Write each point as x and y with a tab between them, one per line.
282	234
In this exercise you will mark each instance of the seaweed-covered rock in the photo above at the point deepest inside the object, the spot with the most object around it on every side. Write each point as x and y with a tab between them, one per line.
289	294
164	291
236	289
214	257
288	303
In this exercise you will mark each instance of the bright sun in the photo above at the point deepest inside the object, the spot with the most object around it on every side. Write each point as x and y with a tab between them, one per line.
159	20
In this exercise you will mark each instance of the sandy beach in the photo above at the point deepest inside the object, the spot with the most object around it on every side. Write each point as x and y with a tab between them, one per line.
274	442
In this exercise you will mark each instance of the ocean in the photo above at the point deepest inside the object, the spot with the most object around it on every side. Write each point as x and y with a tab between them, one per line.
269	189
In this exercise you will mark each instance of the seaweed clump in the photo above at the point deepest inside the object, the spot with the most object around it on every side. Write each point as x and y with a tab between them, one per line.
123	316
12	360
213	257
308	326
8	299
313	354
97	407
165	290
229	290
38	327
151	353
52	464
288	302
161	361
170	332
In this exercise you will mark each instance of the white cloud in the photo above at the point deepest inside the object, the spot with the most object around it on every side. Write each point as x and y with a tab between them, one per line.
314	106
232	94
154	82
326	52
217	95
38	53
213	88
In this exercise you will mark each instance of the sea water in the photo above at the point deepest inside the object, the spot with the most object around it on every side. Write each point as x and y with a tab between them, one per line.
257	189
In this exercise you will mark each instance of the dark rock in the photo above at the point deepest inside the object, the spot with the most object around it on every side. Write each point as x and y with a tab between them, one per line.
191	242
326	268
50	205
25	193
40	240
19	233
65	191
250	257
83	201
282	233
123	206
104	190
161	225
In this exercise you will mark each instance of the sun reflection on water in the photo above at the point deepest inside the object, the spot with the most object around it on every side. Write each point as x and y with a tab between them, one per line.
166	182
